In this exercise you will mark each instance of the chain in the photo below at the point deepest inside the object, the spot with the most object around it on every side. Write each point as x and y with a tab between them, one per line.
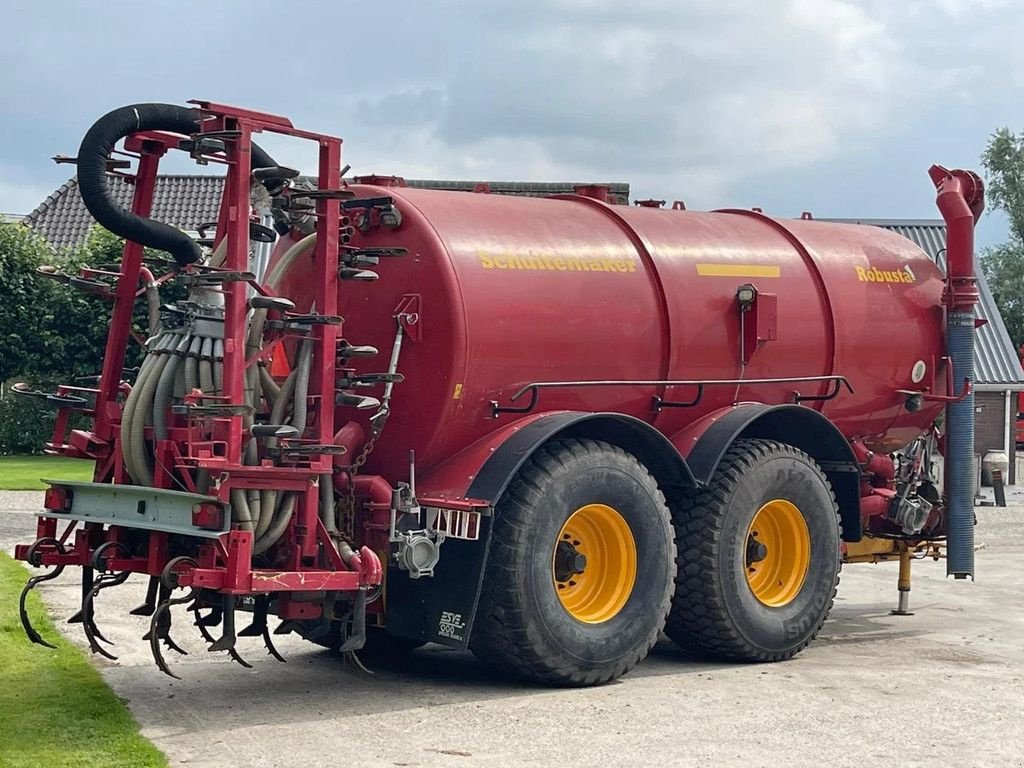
348	513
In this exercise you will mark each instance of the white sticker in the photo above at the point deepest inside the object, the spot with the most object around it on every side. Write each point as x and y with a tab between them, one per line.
918	371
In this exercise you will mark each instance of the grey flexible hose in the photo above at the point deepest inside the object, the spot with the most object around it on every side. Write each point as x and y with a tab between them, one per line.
153	307
218	366
270	388
192	364
240	512
298	420
269	499
280	524
206	368
327	511
137	444
300	408
178	385
254	340
165	388
128	453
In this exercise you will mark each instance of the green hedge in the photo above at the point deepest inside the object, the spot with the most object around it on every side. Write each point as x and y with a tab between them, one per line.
24	425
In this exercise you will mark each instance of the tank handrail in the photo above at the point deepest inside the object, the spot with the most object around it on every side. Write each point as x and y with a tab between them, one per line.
658	403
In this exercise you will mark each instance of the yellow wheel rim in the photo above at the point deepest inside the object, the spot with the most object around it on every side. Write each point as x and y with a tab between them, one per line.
778	553
594	564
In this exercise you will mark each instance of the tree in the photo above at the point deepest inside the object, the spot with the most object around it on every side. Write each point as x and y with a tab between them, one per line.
1003	265
26	301
50	333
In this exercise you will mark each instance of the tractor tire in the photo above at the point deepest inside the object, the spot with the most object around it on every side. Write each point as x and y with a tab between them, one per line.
758	556
579	573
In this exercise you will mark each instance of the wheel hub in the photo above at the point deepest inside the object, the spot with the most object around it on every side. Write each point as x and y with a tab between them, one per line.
778	553
756	551
569	561
594	563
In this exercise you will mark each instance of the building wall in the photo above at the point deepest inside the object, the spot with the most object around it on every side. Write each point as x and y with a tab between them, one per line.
990	425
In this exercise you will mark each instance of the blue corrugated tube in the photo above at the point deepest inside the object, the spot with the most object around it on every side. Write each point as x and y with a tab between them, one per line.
960	450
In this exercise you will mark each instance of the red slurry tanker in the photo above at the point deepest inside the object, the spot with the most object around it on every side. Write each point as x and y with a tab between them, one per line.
540	429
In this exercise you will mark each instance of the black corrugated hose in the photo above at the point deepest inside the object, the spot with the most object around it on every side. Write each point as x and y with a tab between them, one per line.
92	174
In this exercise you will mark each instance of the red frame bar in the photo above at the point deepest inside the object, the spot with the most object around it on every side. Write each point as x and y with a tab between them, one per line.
312	561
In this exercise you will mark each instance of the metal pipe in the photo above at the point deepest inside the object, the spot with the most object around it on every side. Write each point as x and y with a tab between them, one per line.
960	199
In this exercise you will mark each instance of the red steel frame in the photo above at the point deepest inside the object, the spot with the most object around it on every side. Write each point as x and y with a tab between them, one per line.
225	563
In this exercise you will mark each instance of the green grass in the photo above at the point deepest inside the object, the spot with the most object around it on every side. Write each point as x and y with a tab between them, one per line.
55	709
22	473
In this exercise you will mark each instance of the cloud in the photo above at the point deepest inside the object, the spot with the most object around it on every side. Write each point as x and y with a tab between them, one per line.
672	96
694	99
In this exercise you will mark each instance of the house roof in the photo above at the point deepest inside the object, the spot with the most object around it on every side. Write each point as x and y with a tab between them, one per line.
186	201
997	366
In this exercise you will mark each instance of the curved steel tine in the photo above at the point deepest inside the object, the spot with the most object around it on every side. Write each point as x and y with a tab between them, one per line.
270	645
26	623
260	628
173	645
228	638
34	559
87	578
104	580
157	632
235	657
88	619
201	623
163	596
159	628
154	641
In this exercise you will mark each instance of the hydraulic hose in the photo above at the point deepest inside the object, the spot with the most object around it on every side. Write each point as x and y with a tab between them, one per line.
95	151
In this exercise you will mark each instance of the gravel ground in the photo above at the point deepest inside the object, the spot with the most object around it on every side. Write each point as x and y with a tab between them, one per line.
944	686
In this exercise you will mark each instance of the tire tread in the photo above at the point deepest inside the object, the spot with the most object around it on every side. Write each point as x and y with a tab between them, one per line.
699	620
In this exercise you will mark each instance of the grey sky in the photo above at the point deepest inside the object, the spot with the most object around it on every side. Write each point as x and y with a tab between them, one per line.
832	106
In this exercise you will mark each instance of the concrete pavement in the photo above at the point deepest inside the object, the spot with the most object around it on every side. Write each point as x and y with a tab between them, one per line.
945	686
